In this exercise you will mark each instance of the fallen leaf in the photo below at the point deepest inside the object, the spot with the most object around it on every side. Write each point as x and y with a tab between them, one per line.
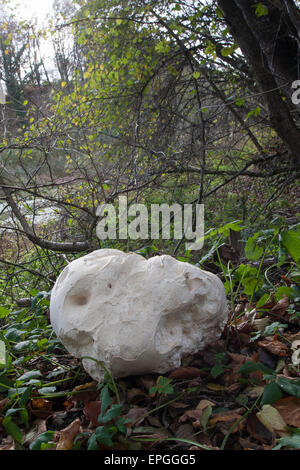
258	431
270	304
154	421
234	388
7	443
203	404
249	445
134	395
151	438
260	324
39	426
291	337
146	381
267	358
67	436
232	376
185	373
40	407
86	392
215	387
3	403
289	409
92	410
204	440
228	417
86	386
245	327
194	416
41	404
179	404
276	347
185	431
136	415
271	418
280	308
254	392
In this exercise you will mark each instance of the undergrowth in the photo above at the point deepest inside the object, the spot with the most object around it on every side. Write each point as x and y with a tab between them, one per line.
243	392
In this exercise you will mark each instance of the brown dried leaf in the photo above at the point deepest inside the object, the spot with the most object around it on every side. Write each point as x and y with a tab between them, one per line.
276	347
245	327
228	417
136	415
185	431
3	403
134	395
92	411
67	436
270	304
249	445
39	426
179	404
258	431
146	381
7	443
185	372
291	337
193	415
237	360
289	409
215	387
203	404
90	394
41	404
280	308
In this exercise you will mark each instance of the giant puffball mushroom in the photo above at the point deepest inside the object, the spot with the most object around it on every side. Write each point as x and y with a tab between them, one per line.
135	315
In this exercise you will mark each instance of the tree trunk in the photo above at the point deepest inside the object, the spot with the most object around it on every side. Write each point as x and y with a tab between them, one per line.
271	45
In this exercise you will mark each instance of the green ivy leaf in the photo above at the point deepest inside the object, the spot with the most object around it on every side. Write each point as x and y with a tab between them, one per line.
32	374
113	412
42	438
104	436
292	442
251	366
12	429
106	400
271	393
291	387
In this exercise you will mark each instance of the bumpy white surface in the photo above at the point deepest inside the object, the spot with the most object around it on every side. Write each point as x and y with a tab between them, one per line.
135	315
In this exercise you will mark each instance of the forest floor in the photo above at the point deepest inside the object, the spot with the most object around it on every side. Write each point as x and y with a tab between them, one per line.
241	393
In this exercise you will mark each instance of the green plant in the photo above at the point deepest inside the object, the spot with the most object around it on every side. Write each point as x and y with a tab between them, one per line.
275	386
163	386
110	420
218	367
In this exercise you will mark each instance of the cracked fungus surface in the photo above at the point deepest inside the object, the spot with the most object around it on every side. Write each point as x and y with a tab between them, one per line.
135	315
